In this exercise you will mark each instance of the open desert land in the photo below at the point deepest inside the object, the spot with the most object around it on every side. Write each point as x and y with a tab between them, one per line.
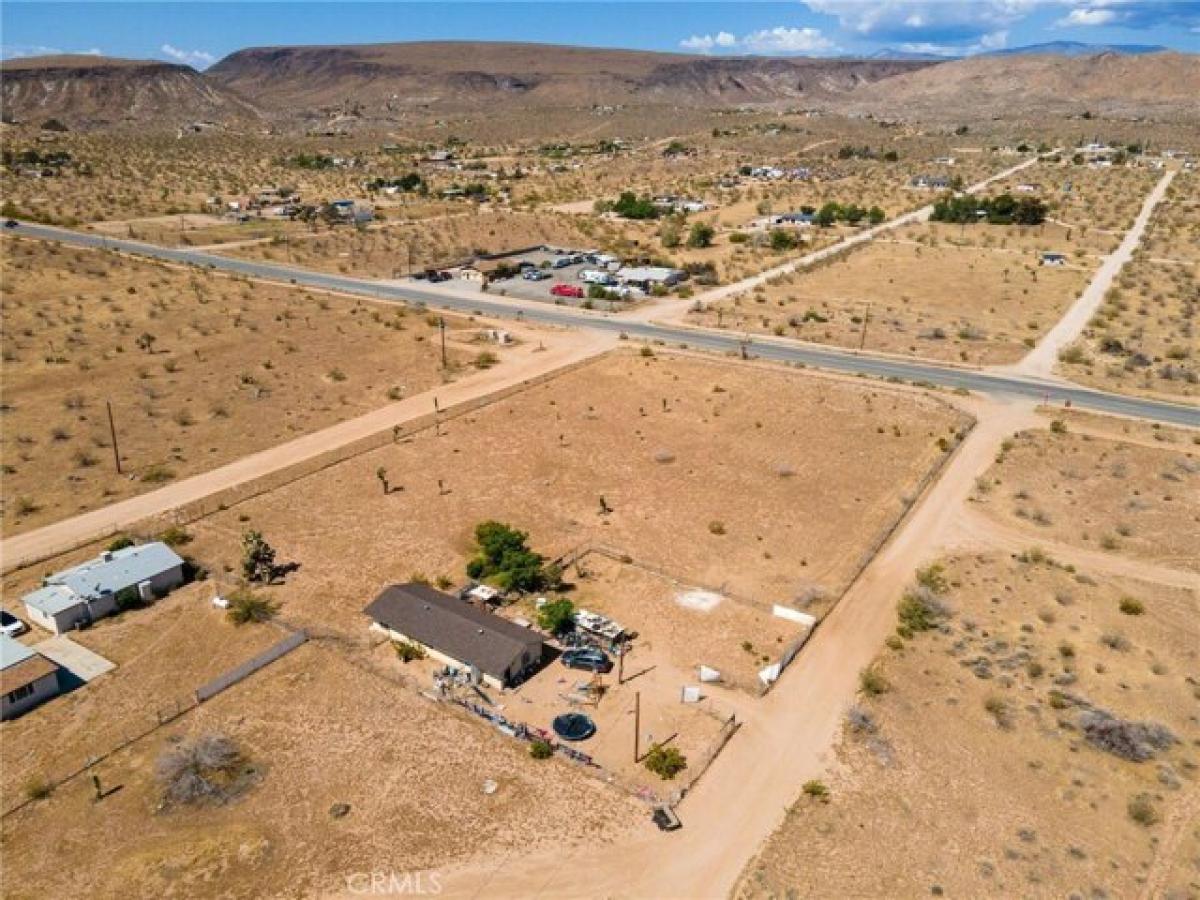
200	370
1132	500
1143	339
993	761
965	304
345	771
974	293
701	465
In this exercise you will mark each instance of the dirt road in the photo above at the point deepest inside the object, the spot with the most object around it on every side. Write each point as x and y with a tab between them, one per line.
561	348
1040	361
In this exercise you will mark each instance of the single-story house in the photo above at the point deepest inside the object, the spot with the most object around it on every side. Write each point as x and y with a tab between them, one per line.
935	182
88	591
457	633
646	277
1054	259
27	678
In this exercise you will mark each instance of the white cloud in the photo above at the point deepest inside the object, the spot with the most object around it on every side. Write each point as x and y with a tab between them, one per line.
780	39
937	19
201	59
997	40
705	43
20	51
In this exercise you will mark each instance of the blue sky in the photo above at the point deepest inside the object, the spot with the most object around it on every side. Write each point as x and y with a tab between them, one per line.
200	33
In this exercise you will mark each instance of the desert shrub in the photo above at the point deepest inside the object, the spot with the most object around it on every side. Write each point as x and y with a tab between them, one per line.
665	761
157	474
485	360
998	708
246	606
1135	741
175	536
1132	606
258	558
920	609
407	651
872	683
128	598
716	527
541	750
206	769
1141	810
817	790
120	543
860	721
38	788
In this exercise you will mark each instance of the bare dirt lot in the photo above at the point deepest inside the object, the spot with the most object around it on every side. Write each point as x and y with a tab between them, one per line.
321	732
199	369
1136	501
980	769
705	468
961	303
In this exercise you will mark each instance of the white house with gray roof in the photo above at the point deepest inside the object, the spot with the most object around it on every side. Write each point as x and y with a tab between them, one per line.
89	591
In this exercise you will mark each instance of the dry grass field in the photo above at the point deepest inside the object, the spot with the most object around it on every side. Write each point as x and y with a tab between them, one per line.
1130	499
765	483
957	303
1143	339
980	771
320	731
200	370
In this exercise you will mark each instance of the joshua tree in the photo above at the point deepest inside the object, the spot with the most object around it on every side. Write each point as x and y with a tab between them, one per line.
381	474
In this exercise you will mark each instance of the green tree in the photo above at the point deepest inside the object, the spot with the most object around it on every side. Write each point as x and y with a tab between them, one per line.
665	761
505	558
875	215
782	239
828	214
556	616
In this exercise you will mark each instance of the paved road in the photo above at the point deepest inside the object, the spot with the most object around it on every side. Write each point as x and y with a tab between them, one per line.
762	347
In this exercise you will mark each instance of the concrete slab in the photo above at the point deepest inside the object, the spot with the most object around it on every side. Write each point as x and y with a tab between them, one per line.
79	661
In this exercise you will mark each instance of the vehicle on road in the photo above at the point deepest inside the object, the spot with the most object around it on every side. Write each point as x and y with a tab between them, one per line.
10	223
566	290
11	625
589	660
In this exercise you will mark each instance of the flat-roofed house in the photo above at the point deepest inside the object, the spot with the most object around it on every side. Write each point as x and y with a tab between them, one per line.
88	591
26	678
457	633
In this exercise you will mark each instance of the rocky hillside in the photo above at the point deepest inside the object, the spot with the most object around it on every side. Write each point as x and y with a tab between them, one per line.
96	91
1163	85
383	79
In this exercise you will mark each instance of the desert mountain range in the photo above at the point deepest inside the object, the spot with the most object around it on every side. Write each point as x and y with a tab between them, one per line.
379	83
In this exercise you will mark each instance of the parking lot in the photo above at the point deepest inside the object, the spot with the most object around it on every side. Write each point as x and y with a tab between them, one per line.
565	275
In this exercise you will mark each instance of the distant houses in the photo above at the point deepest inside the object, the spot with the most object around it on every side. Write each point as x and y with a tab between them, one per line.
1054	259
930	182
97	588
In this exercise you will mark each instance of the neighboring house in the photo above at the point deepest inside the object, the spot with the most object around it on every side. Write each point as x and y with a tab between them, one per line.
457	633
89	591
27	678
936	182
646	277
1054	259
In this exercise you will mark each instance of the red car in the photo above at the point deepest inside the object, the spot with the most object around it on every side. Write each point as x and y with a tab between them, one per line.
566	290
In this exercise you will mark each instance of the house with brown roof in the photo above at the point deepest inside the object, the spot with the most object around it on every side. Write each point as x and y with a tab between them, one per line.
451	630
27	678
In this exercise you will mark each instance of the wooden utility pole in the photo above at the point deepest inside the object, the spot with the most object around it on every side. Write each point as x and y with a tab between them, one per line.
637	726
442	328
862	342
112	430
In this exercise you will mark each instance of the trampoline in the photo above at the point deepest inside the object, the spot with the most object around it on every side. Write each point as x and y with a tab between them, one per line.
574	727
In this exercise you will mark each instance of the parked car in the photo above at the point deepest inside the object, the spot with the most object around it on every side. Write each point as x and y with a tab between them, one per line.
534	274
666	820
10	223
11	625
590	660
566	290
562	262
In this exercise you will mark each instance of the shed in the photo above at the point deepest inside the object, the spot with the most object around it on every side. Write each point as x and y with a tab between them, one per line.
457	633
